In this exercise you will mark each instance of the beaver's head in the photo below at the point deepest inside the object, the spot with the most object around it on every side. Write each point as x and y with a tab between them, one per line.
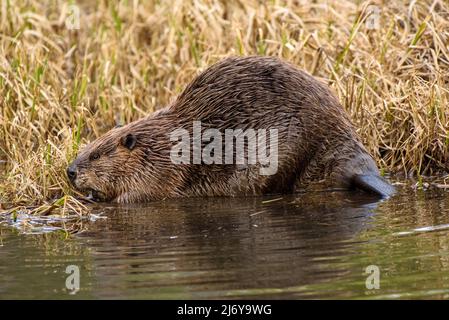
124	165
102	167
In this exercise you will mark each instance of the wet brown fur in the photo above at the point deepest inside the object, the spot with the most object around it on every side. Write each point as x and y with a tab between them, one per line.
317	141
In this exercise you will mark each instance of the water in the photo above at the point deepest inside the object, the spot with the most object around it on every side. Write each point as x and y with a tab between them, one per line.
301	246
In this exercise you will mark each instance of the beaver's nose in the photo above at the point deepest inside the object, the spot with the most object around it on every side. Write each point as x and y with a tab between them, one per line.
71	173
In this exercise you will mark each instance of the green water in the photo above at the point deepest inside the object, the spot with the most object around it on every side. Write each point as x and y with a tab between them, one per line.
295	247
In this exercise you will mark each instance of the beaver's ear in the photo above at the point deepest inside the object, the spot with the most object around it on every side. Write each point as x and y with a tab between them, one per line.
129	141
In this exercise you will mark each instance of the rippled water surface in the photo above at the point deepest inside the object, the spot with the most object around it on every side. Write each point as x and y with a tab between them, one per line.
301	246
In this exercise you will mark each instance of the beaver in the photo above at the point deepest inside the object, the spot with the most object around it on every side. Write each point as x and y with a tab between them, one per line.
315	142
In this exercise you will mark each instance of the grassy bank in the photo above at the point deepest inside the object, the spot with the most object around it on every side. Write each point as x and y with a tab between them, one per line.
61	87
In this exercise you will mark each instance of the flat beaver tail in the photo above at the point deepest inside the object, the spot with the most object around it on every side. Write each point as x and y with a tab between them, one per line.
373	183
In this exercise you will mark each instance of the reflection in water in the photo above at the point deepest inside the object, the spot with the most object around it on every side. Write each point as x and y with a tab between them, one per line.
222	244
301	246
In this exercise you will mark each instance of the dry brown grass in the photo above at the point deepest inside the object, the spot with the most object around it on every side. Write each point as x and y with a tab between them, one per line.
60	88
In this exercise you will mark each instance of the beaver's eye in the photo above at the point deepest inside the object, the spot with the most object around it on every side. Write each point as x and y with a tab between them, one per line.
94	156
